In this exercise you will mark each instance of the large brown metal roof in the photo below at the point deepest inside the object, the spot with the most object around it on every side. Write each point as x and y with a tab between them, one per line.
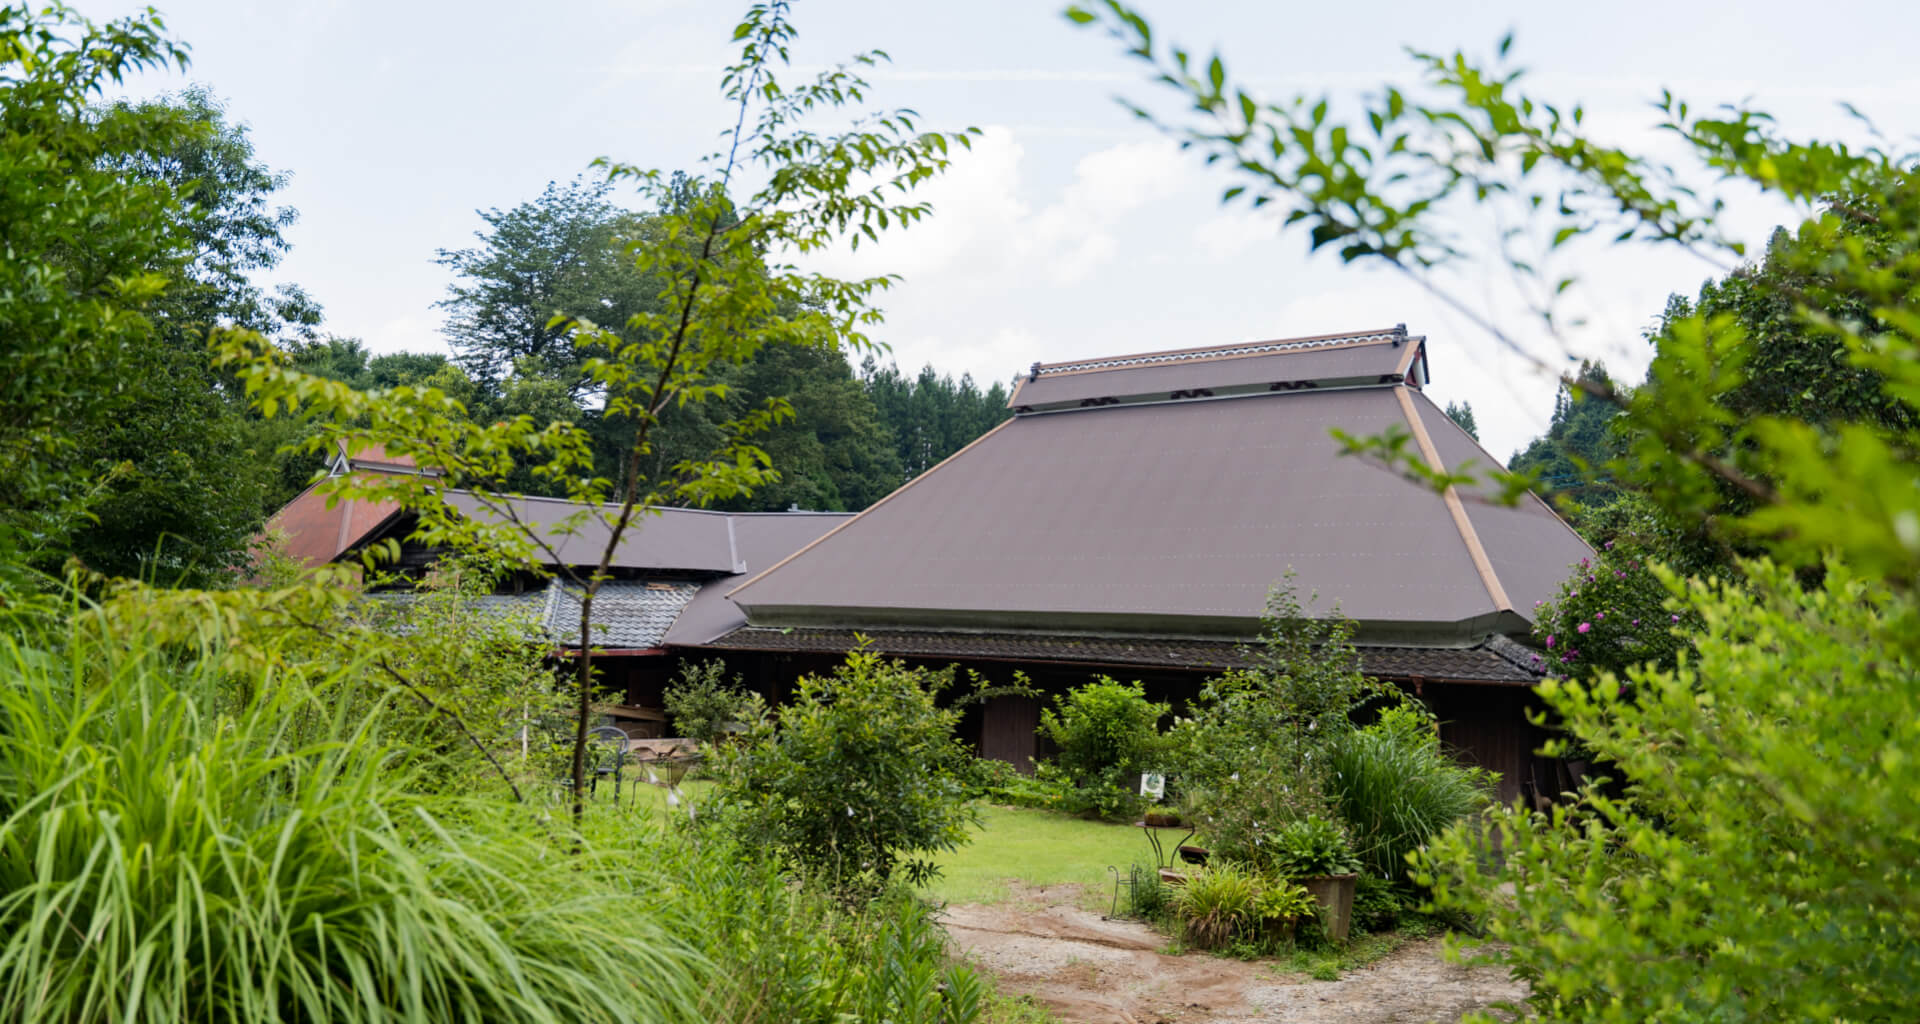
1175	518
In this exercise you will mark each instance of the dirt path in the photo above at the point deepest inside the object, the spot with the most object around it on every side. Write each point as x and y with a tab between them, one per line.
1094	971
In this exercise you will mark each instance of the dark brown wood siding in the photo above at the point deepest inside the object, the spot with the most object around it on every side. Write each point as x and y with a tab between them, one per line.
1487	726
1009	730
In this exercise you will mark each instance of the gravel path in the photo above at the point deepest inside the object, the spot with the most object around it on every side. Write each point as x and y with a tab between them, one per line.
1088	969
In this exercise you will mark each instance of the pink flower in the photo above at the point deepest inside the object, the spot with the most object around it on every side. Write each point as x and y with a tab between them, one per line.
1549	643
1676	618
1584	626
1600	616
1636	622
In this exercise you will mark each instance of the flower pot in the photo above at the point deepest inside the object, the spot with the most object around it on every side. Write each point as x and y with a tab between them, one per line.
1169	876
1163	819
1334	893
1279	929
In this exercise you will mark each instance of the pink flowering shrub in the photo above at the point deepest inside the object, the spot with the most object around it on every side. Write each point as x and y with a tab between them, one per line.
1611	613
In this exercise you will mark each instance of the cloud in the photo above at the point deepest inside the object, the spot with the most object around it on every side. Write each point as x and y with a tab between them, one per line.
1232	232
985	229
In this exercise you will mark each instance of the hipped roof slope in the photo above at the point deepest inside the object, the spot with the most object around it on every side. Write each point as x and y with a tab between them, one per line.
1163	506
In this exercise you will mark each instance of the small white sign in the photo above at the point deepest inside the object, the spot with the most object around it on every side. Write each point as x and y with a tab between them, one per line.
1153	784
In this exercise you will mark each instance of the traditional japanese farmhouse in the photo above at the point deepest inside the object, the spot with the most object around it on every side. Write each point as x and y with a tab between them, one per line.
1133	515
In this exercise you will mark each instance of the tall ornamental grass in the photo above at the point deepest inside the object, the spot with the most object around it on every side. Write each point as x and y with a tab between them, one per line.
1396	788
169	853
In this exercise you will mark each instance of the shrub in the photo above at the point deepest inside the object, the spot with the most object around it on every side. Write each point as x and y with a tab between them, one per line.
1228	903
1311	846
1284	903
1148	898
1240	817
173	852
778	953
1254	754
857	777
1761	864
1395	788
1378	903
1108	734
1044	789
704	701
1610	613
1216	902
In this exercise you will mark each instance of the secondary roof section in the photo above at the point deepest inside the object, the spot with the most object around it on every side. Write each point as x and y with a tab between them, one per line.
1365	359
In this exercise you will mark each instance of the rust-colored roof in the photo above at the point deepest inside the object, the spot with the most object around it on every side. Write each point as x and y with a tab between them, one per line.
319	528
1176	517
1494	660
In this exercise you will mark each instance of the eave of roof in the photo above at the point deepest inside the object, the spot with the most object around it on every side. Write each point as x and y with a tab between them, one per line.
1493	660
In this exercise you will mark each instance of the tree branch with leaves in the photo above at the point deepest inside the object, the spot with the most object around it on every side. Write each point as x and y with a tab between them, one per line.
731	282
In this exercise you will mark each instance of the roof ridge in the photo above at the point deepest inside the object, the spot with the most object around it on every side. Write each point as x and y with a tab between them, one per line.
638	508
1398	332
1469	537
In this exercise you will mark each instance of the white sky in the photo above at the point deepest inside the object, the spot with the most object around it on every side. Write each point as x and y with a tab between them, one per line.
1072	230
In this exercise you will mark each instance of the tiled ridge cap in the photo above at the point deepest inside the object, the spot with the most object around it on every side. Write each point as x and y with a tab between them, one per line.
1253	348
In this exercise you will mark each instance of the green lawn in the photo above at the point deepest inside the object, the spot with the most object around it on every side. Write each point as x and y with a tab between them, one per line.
1020	844
1035	848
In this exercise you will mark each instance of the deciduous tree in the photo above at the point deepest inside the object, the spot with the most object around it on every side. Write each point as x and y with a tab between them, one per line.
89	251
727	289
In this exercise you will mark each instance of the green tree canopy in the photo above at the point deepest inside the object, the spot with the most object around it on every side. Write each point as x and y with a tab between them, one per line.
561	255
931	415
189	472
1570	458
89	253
1462	413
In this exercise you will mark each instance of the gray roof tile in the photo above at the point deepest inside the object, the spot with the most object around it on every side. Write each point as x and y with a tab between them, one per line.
626	613
1491	661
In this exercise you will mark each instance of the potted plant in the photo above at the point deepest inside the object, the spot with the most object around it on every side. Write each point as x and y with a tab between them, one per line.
1162	816
1316	853
1280	906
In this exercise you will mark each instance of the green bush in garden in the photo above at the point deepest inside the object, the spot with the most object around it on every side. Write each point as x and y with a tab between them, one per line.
1108	734
1610	613
777	953
1764	862
857	777
1216	902
704	701
1310	846
1227	902
1257	752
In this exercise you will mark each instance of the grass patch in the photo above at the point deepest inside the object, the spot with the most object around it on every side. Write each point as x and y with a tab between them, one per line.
1328	963
1035	848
